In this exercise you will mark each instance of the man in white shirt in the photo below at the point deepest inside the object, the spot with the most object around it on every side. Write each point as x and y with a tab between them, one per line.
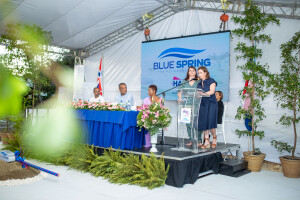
124	98
98	97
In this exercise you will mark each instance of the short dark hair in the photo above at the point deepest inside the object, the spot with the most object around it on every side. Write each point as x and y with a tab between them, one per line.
153	87
221	94
95	88
122	84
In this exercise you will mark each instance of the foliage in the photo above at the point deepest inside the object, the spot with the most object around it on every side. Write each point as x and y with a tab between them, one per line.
14	145
154	116
112	165
251	25
282	146
286	89
96	106
25	56
81	158
66	61
129	168
11	89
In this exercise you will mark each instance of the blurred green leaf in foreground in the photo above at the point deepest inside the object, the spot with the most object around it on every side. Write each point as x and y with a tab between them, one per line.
11	91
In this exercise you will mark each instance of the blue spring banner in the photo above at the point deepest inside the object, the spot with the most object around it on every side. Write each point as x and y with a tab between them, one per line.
165	62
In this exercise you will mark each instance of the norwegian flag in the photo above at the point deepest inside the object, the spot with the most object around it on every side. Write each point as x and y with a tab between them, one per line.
99	79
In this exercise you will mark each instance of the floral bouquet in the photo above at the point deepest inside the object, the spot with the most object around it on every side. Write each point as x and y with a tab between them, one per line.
153	117
96	106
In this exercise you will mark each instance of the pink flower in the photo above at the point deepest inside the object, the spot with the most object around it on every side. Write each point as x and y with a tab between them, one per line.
157	114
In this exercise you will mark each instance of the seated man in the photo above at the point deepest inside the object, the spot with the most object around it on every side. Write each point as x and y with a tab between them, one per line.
98	97
124	97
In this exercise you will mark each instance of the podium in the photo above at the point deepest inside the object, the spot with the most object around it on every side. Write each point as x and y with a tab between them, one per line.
187	118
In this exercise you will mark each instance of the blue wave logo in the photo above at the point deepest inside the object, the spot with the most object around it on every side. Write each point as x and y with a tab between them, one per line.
179	53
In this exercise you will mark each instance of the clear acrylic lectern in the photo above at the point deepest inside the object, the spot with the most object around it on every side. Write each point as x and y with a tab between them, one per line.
187	118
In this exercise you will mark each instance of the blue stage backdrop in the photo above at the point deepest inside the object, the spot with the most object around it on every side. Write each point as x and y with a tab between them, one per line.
165	62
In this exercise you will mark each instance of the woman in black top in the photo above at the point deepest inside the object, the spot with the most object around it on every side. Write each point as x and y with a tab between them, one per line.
219	96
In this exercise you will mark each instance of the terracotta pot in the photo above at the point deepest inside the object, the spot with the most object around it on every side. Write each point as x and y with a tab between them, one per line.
254	161
4	138
290	166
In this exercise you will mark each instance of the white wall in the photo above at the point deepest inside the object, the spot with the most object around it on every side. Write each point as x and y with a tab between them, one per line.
122	63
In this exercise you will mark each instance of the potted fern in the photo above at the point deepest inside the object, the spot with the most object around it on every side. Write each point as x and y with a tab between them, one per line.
252	23
286	88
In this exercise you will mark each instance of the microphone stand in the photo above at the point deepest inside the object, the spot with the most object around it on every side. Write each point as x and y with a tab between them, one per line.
162	142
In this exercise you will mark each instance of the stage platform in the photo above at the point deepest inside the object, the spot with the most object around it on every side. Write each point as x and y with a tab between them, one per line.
186	166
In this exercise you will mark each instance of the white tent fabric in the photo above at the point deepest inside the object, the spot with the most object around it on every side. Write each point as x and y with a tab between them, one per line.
77	23
122	63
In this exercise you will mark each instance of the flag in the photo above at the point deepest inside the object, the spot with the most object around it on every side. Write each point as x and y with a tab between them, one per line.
248	119
99	79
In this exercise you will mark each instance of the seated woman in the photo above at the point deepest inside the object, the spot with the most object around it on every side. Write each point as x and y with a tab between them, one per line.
152	89
219	96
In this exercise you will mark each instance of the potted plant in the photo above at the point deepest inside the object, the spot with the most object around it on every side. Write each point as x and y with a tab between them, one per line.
286	88
252	23
153	117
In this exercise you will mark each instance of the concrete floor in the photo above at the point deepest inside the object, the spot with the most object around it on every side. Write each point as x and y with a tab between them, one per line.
76	185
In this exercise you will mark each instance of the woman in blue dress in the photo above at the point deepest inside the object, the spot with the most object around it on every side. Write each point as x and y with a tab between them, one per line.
208	113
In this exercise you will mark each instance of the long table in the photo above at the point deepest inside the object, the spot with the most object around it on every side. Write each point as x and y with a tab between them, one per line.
117	129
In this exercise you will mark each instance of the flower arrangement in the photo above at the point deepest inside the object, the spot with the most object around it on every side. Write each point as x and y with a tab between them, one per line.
153	117
96	106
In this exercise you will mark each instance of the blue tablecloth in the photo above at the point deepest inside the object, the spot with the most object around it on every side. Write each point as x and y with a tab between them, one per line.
117	129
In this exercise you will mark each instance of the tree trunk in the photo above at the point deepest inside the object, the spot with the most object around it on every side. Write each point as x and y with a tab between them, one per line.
252	96
33	95
295	133
252	114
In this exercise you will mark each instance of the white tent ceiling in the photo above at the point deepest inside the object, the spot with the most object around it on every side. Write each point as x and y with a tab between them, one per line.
76	24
